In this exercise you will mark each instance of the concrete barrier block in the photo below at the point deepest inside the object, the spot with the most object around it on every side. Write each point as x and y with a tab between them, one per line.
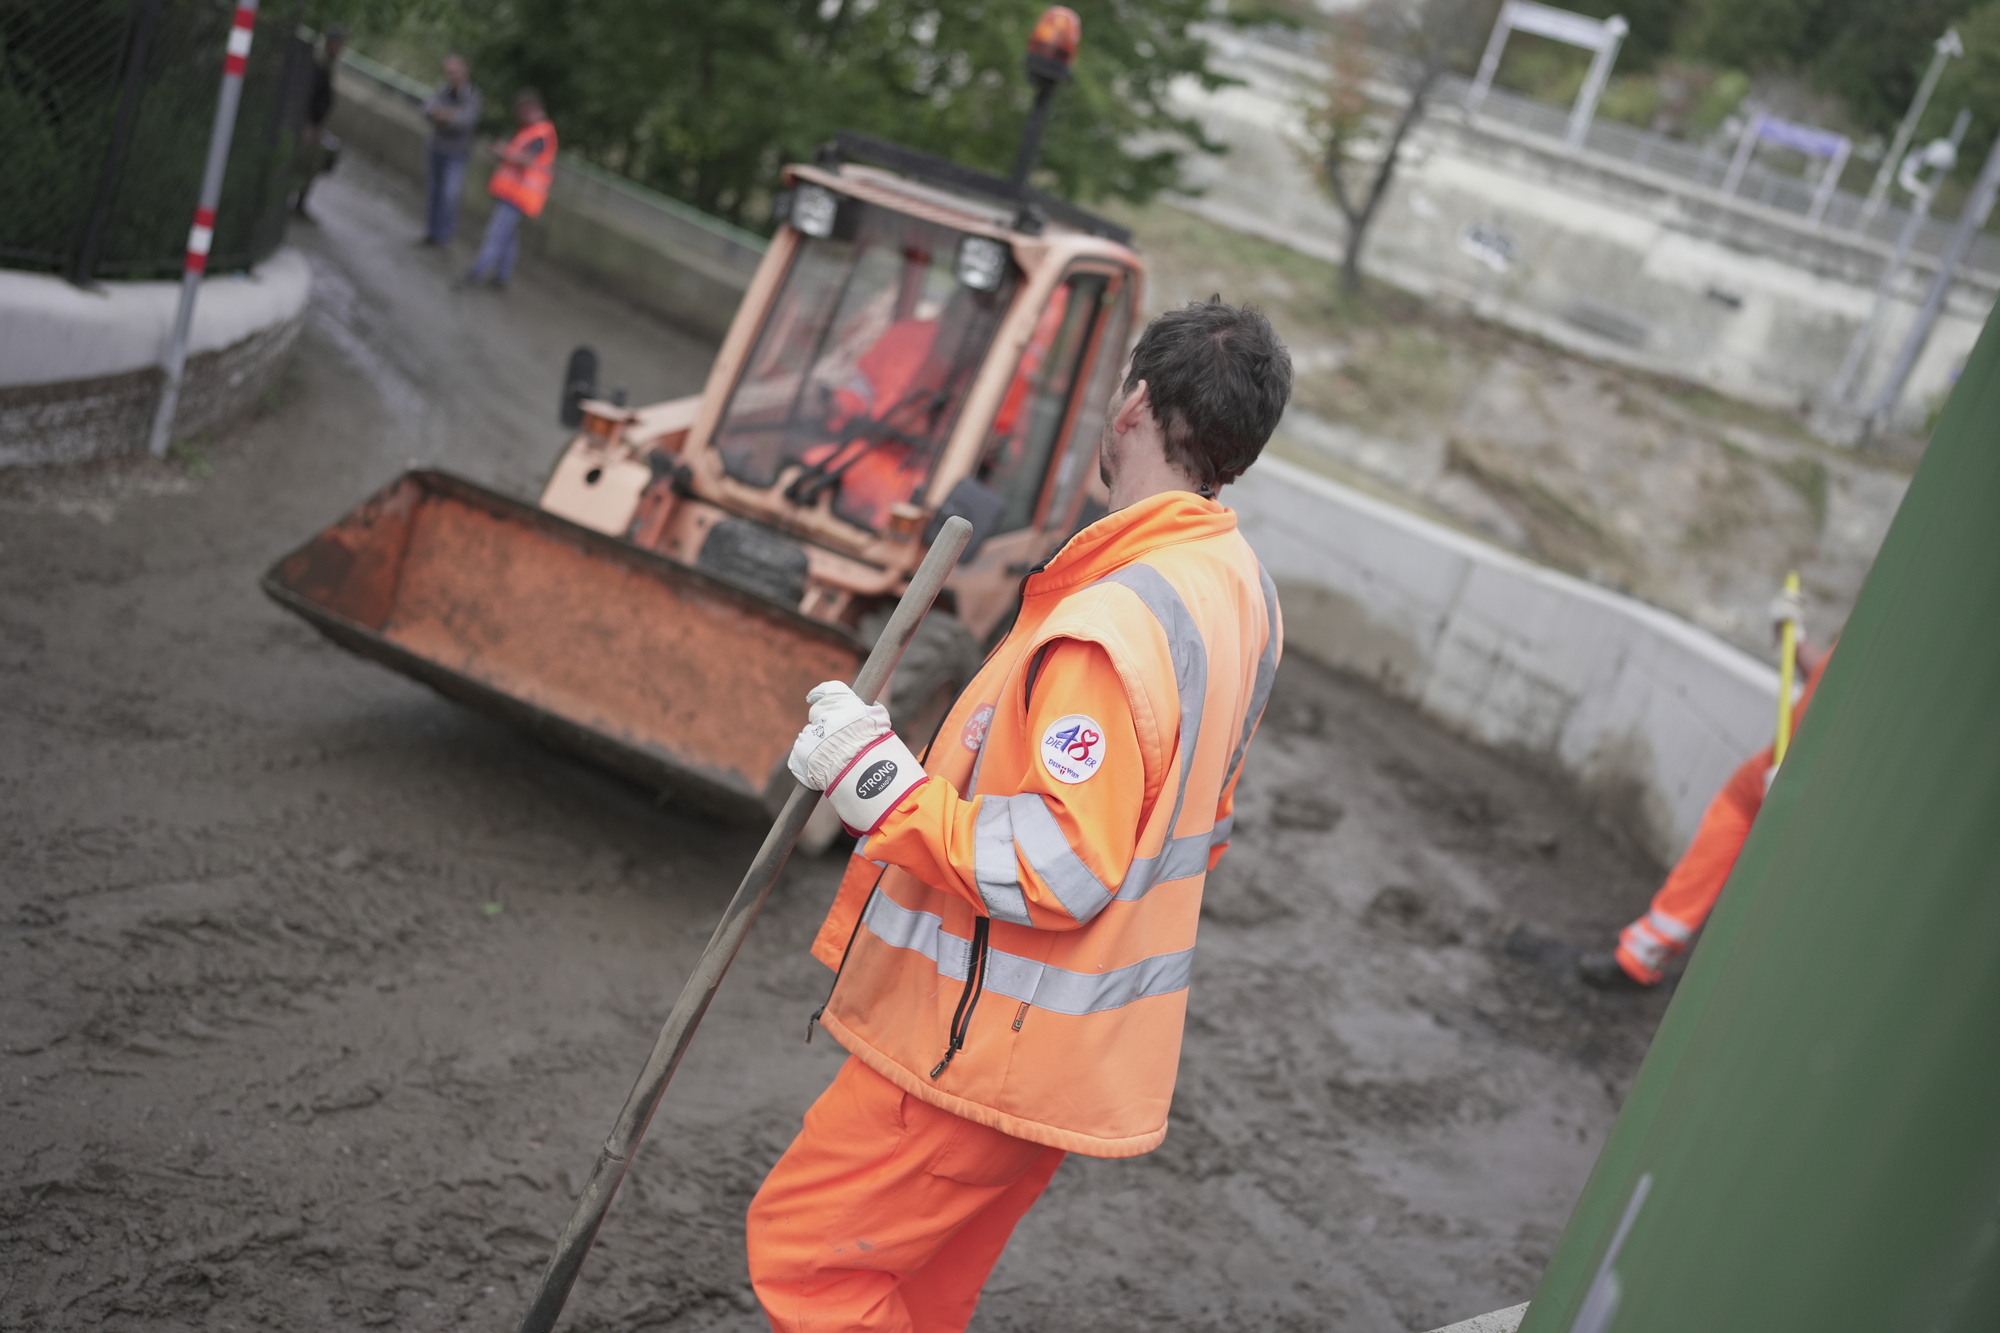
1647	713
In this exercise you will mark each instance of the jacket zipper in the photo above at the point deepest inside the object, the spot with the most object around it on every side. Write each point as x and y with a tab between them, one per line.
968	1000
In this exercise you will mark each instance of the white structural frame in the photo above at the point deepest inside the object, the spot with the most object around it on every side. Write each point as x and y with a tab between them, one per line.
1833	148
1600	36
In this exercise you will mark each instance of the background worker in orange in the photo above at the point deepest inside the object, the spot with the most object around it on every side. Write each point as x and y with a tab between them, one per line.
520	186
1012	939
1683	903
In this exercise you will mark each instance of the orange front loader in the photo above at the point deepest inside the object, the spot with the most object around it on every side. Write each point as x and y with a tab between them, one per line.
921	341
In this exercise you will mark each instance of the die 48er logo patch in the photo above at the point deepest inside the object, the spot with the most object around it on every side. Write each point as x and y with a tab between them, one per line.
1072	748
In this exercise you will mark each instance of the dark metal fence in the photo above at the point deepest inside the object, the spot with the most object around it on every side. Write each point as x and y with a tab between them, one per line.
105	112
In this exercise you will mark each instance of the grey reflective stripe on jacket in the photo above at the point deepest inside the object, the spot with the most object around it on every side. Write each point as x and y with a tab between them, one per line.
1190	656
1023	826
1267	668
1043	985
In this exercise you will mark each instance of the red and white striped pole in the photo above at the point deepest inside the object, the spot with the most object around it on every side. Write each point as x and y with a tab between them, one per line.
202	233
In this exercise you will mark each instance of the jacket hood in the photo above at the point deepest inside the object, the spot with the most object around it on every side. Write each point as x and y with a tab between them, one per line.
1117	539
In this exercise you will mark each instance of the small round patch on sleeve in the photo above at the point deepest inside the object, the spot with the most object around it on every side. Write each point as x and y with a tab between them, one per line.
976	727
1073	748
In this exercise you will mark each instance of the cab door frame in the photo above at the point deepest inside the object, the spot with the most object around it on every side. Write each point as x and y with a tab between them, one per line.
987	586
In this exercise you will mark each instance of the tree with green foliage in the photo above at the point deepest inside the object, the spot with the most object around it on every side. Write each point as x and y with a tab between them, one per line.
707	99
1869	54
1972	80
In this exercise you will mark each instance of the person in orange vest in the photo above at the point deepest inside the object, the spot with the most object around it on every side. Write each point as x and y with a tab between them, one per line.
1683	903
907	381
1012	940
520	186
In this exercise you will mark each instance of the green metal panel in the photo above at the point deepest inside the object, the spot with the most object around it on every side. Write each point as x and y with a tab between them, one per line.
1816	1130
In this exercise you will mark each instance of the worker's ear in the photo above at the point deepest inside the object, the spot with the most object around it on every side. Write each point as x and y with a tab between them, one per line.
1137	409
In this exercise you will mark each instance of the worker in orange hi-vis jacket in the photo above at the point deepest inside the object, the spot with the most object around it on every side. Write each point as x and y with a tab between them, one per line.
1692	886
1013	937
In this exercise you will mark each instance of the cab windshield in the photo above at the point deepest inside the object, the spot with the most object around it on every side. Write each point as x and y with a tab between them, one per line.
858	375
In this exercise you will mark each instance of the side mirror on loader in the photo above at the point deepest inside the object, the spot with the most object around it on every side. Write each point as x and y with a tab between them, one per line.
975	502
579	383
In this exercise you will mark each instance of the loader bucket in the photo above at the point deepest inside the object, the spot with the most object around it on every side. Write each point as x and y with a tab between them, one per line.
650	668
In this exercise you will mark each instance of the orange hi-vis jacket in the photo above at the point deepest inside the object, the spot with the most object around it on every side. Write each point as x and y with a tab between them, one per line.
1682	905
1014	940
527	187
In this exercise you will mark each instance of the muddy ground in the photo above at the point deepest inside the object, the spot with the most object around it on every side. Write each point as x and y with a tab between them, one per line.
317	992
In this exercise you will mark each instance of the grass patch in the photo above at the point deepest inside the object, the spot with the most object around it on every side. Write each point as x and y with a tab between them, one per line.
1808	476
1183	249
1561	534
1379	359
1709	405
191	454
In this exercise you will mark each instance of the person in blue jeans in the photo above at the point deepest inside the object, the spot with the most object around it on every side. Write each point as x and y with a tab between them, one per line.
453	111
520	187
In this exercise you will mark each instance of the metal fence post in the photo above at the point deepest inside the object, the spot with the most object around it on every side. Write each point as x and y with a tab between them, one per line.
1944	48
1864	337
1585	109
1969	222
1489	62
202	234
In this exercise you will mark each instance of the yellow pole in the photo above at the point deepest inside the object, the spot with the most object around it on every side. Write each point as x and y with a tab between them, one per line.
1788	660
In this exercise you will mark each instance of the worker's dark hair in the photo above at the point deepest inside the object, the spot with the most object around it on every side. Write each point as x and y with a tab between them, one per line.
530	95
1218	379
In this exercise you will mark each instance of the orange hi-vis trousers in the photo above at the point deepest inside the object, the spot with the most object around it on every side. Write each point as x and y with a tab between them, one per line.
887	1213
1685	900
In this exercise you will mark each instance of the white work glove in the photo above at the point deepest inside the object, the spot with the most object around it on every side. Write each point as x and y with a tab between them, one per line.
849	751
1788	605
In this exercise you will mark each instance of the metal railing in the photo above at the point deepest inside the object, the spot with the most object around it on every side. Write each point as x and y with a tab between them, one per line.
1705	167
1296	57
105	111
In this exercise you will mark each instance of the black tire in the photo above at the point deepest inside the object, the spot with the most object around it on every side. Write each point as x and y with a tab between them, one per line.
939	662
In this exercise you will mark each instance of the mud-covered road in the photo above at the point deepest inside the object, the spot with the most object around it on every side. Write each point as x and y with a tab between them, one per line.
317	992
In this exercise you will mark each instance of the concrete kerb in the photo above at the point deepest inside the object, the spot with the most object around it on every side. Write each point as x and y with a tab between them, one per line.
79	368
1646	713
655	251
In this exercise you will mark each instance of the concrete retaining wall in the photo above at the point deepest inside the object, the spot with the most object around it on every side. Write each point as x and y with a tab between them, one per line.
1647	713
79	369
656	252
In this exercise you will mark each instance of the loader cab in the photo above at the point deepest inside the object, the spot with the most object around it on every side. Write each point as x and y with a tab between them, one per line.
861	368
907	349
